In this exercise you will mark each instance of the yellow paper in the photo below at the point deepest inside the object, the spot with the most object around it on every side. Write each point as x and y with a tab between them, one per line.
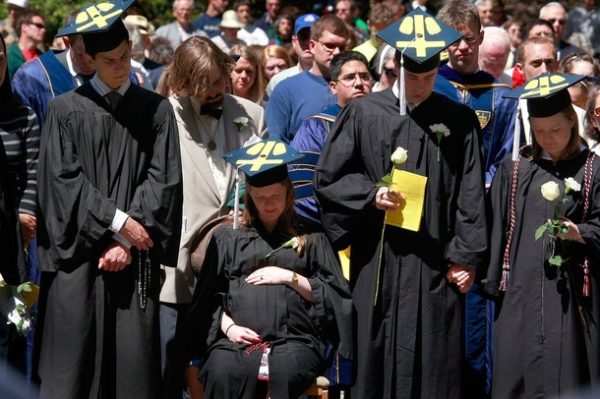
412	187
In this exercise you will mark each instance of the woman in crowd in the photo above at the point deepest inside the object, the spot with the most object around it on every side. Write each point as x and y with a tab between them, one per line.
592	119
283	30
20	134
580	64
246	76
385	67
274	60
271	295
545	243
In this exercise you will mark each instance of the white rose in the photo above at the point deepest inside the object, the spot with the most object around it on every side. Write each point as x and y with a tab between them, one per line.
399	156
550	191
572	184
295	241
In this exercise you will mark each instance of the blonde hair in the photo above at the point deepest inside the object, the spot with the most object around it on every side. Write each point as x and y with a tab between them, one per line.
257	90
194	59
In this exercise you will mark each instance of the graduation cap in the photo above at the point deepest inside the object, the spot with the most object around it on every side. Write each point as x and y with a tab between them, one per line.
420	38
263	163
100	24
546	95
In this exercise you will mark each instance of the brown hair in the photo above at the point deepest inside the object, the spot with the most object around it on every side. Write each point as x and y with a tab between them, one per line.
590	129
26	18
572	146
257	90
192	63
520	53
460	12
329	23
286	225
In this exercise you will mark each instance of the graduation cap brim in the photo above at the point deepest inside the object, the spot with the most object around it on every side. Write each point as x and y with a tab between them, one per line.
96	17
264	162
420	38
546	94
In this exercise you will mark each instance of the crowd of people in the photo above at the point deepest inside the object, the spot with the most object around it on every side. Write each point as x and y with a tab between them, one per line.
230	205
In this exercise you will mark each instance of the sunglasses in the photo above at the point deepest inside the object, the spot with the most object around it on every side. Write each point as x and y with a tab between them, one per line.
37	25
390	73
555	20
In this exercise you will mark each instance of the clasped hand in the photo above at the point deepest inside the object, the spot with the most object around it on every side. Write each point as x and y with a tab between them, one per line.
461	275
114	258
136	234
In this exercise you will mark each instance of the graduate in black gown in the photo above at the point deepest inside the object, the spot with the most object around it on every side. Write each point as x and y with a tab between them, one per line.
546	341
410	334
109	187
285	307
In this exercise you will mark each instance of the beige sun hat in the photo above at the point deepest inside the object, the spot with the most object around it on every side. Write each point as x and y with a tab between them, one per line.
230	20
140	22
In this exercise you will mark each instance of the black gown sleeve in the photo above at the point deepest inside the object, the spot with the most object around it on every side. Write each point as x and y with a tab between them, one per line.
209	298
343	189
76	215
332	301
157	202
9	232
468	246
590	229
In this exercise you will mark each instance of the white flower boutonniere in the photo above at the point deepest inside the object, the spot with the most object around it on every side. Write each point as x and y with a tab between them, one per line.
241	122
440	131
293	242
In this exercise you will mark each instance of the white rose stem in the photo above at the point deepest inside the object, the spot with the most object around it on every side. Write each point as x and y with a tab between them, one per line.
236	202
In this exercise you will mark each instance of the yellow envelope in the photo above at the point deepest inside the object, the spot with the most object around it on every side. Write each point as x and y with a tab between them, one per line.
412	186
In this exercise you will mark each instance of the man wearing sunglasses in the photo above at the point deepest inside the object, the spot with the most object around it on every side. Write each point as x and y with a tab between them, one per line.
556	14
307	93
31	30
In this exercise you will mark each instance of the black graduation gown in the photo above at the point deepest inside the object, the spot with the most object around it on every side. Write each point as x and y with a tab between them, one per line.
409	344
540	346
9	230
97	342
298	331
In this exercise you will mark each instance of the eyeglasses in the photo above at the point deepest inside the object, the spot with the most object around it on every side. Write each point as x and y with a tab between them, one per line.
538	63
348	80
330	47
390	73
37	25
555	20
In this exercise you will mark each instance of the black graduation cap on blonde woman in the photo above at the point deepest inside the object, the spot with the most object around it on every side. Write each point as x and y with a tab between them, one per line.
419	38
546	95
263	163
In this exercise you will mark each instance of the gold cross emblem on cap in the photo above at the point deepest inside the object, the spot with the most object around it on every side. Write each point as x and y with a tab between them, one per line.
418	25
99	14
262	151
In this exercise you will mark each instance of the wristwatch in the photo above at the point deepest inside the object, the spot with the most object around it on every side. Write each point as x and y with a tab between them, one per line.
294	278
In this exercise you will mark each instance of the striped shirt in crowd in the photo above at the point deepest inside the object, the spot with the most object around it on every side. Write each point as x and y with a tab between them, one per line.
20	134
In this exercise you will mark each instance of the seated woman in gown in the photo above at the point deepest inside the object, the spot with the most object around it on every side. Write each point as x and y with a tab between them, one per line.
270	296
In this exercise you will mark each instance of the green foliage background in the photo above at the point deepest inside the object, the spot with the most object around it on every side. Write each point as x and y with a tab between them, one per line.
159	11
